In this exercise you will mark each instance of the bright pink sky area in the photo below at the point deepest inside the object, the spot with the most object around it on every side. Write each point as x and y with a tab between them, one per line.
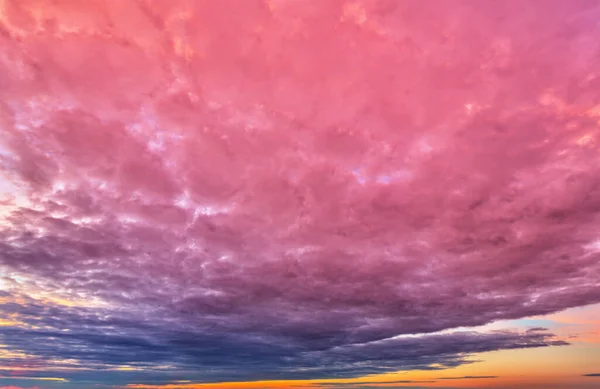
247	190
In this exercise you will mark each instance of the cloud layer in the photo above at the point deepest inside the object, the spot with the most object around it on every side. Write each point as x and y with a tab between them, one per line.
281	188
106	340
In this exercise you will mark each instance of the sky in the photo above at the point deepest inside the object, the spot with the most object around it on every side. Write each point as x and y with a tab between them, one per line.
301	194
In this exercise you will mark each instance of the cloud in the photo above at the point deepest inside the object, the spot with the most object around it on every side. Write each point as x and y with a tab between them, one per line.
241	193
592	375
18	377
107	340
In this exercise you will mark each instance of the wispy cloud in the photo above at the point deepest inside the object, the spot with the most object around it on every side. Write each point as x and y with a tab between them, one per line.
26	378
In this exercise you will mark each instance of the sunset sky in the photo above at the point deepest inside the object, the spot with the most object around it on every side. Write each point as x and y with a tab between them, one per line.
307	194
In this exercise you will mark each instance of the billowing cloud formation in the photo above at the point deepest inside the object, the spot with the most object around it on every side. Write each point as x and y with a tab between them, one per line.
275	185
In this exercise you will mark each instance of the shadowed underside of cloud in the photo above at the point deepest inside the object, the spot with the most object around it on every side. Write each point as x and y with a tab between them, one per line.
106	340
266	188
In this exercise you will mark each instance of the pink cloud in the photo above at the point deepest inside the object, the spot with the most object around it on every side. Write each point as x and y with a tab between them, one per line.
306	175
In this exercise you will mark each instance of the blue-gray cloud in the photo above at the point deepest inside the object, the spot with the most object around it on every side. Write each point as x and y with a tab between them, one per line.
104	340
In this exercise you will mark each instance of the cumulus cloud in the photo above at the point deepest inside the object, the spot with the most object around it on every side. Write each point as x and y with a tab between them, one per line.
275	187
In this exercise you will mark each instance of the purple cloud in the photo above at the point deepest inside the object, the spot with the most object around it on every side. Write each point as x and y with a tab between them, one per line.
296	185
